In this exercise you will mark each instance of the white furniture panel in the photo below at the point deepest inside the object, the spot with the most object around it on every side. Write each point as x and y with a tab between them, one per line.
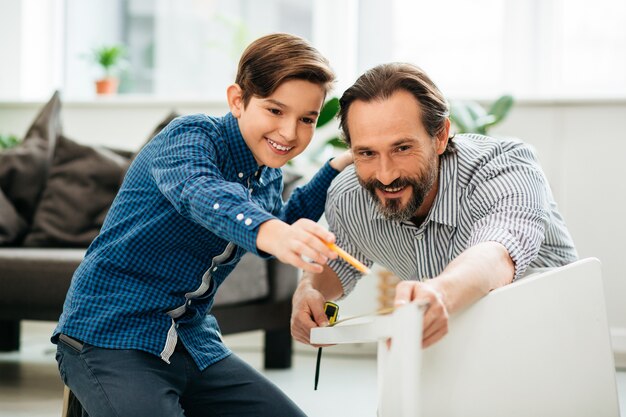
537	347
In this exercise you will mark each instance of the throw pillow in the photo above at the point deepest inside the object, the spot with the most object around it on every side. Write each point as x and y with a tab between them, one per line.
81	186
12	226
24	168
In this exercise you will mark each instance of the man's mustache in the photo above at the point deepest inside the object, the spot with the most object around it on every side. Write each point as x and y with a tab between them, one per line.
401	182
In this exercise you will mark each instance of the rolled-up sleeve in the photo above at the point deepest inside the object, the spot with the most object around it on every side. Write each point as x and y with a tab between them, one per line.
510	206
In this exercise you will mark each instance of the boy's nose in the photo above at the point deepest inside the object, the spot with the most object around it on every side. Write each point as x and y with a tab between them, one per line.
289	130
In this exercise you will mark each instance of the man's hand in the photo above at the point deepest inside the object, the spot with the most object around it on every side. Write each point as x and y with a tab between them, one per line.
289	243
308	303
436	317
307	313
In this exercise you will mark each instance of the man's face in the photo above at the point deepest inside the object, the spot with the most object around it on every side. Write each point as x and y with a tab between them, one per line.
279	127
395	158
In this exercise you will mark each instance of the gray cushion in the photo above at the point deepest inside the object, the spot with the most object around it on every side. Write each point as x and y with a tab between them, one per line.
82	184
246	283
23	173
12	225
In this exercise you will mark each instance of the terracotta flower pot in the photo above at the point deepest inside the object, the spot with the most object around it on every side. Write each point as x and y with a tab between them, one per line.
107	86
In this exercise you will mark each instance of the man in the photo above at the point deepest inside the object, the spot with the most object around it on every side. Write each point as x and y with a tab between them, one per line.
453	217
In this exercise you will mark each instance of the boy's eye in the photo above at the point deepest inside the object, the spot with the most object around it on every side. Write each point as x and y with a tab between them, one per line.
277	112
308	120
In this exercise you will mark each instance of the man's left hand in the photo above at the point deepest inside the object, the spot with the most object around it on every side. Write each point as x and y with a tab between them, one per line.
436	317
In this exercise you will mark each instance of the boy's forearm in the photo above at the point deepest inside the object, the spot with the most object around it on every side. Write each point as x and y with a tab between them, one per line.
473	274
308	201
326	283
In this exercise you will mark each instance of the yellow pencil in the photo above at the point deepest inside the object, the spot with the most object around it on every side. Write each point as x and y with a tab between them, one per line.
348	258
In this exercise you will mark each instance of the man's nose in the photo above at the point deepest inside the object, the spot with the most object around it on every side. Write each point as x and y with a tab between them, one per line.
386	172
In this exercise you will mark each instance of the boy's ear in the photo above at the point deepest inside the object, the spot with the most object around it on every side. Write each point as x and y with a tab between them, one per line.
234	94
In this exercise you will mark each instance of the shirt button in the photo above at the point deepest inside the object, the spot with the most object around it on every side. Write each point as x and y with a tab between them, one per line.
214	269
177	325
189	302
240	216
419	237
216	206
248	222
240	175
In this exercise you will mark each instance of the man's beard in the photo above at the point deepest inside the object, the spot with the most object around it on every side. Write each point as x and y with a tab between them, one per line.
392	208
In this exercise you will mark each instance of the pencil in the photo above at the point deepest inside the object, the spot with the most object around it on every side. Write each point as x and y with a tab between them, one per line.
348	258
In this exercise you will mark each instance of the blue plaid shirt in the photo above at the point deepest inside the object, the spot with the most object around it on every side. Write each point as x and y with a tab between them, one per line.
189	208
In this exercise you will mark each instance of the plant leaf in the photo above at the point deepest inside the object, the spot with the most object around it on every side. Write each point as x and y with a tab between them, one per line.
328	112
337	142
461	117
501	108
483	122
476	110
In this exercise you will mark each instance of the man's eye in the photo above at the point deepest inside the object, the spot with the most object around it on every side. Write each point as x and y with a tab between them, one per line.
366	154
403	148
308	120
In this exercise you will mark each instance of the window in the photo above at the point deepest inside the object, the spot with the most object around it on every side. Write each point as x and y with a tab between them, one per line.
177	48
190	48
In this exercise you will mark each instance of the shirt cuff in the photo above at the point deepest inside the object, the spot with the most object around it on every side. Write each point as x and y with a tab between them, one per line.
510	242
249	231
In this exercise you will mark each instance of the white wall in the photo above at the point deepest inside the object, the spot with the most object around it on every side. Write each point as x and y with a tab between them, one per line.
580	145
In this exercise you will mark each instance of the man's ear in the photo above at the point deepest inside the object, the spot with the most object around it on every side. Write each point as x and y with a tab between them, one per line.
443	137
234	95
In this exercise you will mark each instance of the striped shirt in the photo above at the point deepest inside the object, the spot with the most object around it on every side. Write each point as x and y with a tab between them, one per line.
190	206
489	190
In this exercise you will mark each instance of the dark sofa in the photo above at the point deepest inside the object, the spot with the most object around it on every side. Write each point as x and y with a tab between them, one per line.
54	195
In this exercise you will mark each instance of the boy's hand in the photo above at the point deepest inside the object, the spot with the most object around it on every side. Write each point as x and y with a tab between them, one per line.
342	161
289	243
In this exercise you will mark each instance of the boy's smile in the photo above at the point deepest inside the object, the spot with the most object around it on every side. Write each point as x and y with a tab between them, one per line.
279	127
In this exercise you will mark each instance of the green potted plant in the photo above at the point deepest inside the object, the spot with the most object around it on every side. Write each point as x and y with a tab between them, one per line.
327	114
8	141
471	117
111	59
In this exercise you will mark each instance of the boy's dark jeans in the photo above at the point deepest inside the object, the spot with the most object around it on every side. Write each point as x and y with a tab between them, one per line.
114	382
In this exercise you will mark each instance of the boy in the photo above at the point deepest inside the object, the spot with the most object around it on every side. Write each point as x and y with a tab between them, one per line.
134	338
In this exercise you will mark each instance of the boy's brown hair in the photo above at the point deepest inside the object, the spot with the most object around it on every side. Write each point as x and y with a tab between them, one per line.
273	59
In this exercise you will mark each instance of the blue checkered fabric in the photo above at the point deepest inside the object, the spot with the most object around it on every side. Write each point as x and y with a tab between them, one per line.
190	206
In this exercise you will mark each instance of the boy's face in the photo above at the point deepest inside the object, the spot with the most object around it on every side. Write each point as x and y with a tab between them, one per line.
279	127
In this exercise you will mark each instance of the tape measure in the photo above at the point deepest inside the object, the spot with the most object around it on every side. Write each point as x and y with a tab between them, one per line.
331	310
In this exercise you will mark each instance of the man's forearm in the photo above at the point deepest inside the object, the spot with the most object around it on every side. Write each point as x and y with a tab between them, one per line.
474	273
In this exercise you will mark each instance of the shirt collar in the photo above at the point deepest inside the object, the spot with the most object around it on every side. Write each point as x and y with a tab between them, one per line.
243	159
446	205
